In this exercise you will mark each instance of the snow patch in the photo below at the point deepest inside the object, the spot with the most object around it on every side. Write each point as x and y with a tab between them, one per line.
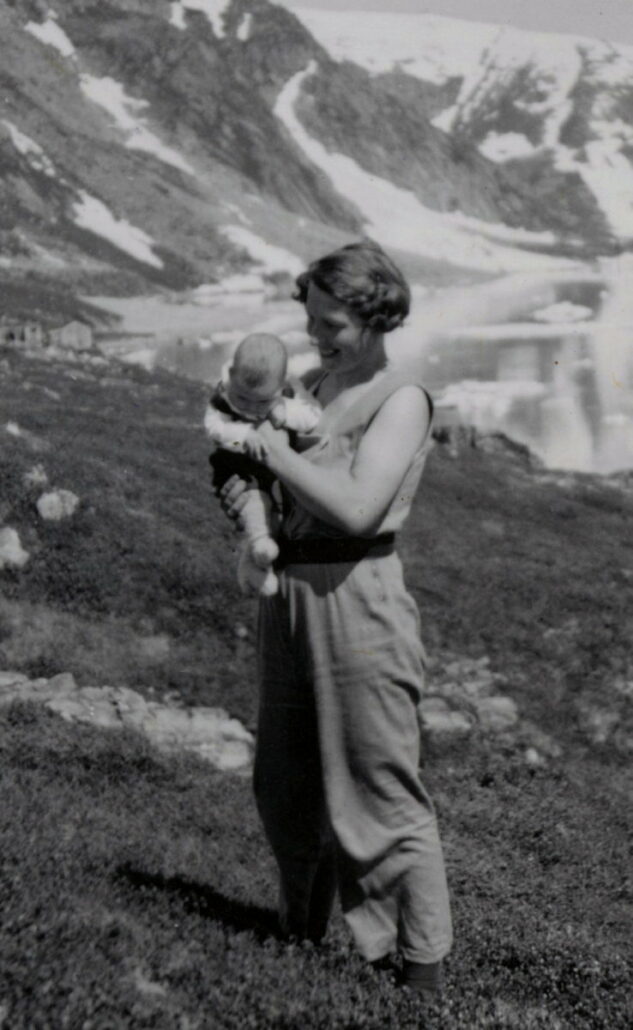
237	212
214	10
268	257
427	46
242	283
51	34
244	29
551	65
395	216
501	232
504	146
563	312
486	403
30	149
111	95
602	162
609	175
444	120
144	358
177	16
549	71
506	331
93	215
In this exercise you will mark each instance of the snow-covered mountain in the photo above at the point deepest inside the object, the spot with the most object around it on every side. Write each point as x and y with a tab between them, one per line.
533	102
177	143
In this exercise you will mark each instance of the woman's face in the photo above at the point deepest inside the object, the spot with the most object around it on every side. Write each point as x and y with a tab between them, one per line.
343	342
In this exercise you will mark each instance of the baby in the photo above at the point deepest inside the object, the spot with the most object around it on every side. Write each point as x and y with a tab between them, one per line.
255	389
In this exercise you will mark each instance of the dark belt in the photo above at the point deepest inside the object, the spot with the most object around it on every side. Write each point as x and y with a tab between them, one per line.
320	550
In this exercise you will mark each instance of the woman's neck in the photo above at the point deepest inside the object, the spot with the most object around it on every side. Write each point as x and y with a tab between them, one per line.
335	385
344	379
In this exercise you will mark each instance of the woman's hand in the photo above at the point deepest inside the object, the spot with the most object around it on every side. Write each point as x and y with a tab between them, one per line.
233	496
276	444
254	446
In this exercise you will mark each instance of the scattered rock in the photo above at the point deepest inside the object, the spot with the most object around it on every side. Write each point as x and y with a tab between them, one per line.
149	988
208	732
534	737
155	649
598	724
497	713
36	476
9	679
36	443
442	722
12	554
534	758
463	695
57	505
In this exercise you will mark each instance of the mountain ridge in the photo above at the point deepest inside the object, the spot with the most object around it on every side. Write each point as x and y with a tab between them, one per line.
142	145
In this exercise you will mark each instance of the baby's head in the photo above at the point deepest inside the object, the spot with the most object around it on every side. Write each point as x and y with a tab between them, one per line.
257	374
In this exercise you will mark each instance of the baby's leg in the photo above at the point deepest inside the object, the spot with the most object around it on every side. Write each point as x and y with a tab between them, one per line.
256	522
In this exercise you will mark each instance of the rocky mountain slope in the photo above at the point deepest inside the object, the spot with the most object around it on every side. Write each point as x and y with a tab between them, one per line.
177	143
553	110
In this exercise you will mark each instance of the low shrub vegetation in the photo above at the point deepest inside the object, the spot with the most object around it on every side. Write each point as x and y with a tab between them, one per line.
137	890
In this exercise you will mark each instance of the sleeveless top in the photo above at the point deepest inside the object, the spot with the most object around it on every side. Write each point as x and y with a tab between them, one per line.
337	448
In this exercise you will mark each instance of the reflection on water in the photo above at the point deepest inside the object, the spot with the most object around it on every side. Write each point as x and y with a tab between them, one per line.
565	390
558	378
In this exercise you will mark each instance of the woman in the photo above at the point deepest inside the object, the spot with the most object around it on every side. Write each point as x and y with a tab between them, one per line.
340	659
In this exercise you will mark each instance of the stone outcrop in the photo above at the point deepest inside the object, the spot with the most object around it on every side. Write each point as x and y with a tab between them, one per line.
461	699
12	554
56	505
208	732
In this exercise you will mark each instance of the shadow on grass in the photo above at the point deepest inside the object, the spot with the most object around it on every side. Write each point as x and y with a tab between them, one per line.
205	901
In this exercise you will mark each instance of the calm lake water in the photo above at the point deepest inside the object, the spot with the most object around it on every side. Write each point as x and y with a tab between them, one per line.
548	360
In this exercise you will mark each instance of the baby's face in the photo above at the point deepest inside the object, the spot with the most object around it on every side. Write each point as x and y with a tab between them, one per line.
253	401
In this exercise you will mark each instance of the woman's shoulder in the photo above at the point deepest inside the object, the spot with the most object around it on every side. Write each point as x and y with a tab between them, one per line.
399	387
412	391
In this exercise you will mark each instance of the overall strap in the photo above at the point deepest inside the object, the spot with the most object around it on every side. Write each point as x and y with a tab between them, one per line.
361	412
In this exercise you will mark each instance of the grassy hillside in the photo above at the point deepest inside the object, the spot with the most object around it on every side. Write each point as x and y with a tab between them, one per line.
137	890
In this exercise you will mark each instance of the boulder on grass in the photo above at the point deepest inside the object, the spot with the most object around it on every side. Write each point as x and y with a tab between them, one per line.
12	554
56	505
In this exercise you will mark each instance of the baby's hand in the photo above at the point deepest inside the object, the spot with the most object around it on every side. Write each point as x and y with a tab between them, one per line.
277	415
254	446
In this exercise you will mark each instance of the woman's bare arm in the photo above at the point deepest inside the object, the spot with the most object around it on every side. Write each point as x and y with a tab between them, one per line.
356	500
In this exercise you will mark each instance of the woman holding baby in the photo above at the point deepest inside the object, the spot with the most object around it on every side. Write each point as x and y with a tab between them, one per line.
341	664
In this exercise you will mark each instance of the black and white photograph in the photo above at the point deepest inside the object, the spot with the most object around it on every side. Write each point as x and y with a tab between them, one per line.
316	514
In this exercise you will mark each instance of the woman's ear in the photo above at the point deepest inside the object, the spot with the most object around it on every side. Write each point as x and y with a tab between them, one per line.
368	334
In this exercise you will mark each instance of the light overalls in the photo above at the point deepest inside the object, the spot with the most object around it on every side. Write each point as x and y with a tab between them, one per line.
336	781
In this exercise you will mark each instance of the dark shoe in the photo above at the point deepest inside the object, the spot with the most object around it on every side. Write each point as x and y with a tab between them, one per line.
385	964
423	978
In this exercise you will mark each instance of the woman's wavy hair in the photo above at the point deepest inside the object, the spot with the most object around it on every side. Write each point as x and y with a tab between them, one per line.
364	278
